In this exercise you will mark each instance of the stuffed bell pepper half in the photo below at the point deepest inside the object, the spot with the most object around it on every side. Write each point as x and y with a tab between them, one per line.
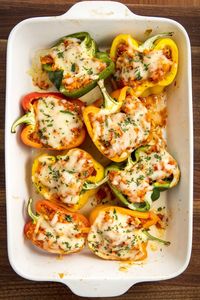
52	121
68	179
74	64
55	229
120	125
117	233
147	67
139	180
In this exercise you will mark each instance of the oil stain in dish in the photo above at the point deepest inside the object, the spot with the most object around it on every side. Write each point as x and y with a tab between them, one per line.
61	275
126	265
148	31
59	257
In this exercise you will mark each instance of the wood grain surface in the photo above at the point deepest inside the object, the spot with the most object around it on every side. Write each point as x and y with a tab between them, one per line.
187	285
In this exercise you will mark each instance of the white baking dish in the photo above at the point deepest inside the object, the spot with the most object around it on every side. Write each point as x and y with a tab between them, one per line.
85	274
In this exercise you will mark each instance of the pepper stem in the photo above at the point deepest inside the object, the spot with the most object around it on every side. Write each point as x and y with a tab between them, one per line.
139	207
153	238
148	44
88	46
130	162
91	186
30	212
28	118
109	103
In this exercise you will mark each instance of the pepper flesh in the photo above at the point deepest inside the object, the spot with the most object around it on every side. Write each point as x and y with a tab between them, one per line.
155	43
47	210
30	133
89	47
89	187
111	105
131	166
144	221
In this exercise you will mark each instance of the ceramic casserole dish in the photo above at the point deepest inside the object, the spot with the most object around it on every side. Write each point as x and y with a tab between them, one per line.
85	274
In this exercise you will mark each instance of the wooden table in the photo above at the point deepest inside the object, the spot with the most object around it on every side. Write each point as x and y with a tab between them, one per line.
187	285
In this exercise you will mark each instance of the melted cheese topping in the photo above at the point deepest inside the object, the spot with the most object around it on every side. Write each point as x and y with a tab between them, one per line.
116	236
58	237
40	78
71	56
157	108
124	130
133	66
65	178
136	183
58	126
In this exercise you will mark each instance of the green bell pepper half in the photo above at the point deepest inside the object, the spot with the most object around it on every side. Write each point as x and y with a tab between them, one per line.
91	48
133	159
145	206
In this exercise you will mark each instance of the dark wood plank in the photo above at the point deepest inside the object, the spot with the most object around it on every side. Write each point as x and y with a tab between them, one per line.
186	286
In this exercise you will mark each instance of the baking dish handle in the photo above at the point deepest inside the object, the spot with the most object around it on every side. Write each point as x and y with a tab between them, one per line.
99	287
98	10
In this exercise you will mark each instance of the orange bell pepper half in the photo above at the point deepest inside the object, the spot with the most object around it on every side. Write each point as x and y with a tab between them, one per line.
41	127
55	229
118	233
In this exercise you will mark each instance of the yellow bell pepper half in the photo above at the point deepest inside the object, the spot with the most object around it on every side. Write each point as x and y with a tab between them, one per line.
111	104
149	218
89	187
161	41
107	245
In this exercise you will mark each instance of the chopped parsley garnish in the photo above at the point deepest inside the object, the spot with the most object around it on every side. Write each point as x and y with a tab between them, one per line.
66	112
68	218
73	67
67	245
89	71
116	134
106	122
60	55
146	66
115	214
46	115
85	173
149	172
138	75
147	158
157	156
49	234
139	179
